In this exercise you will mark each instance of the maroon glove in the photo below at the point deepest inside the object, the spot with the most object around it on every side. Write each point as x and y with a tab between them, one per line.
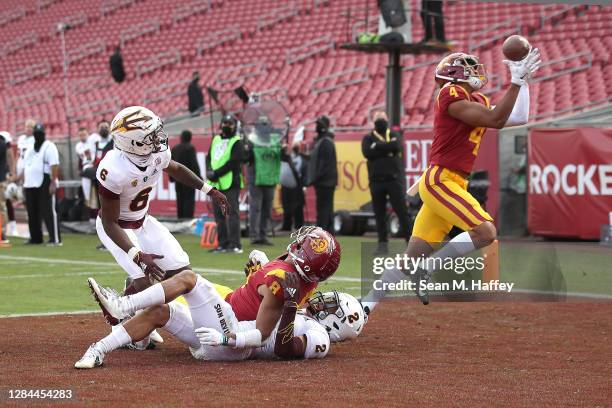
291	286
148	265
219	200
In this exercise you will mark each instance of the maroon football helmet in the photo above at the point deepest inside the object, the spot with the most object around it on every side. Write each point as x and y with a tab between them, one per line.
315	253
461	67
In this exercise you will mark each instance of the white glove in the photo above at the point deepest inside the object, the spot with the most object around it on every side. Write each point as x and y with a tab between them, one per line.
210	337
258	256
522	70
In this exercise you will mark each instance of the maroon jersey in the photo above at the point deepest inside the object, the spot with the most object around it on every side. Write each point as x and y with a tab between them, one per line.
455	143
245	300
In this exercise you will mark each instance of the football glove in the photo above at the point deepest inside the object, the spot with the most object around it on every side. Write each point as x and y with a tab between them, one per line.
146	262
219	200
210	337
521	71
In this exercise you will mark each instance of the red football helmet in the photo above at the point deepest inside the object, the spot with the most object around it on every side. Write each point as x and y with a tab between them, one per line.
461	67
315	253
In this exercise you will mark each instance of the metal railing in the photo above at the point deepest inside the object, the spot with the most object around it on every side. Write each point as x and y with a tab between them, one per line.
365	76
18	43
30	72
72	21
138	30
43	4
277	15
84	85
587	62
157	61
85	50
241	72
544	17
185	11
510	26
571	110
308	49
18	102
12	15
165	90
278	93
93	109
109	6
217	38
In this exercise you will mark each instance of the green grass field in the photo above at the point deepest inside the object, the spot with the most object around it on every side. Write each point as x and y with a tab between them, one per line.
42	279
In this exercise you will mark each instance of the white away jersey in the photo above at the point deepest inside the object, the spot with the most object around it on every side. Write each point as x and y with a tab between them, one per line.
317	339
134	187
84	153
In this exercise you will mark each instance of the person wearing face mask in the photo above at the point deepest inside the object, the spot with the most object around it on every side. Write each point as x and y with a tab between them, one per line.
224	172
100	144
40	176
382	149
323	174
292	189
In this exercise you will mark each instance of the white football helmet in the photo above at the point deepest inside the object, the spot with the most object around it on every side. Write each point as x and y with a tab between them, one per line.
137	130
340	313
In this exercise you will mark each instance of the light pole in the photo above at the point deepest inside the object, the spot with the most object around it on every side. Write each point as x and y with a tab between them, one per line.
62	27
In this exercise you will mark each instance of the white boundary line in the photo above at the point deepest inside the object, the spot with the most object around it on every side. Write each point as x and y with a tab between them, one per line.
47	314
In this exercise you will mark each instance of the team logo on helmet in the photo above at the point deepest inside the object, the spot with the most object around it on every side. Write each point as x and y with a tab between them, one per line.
319	245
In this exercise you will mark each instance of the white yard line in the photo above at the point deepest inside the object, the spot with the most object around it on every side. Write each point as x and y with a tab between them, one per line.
58	261
76	312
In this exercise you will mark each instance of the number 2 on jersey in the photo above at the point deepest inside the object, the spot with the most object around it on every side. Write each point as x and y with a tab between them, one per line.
475	136
140	201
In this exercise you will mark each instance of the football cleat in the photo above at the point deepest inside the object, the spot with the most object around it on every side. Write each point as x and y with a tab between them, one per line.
156	337
421	278
109	301
92	358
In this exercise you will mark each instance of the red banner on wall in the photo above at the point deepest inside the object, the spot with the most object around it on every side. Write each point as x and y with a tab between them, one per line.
570	182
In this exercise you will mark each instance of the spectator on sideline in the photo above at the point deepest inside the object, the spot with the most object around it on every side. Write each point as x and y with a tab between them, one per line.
23	142
100	144
431	13
194	95
323	174
86	168
116	66
263	171
382	149
185	154
7	166
224	172
40	178
292	183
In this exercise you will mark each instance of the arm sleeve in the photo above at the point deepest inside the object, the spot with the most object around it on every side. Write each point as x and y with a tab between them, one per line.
370	149
520	111
286	345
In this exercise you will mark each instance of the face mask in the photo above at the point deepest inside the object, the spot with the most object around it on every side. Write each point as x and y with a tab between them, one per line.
104	132
140	161
381	126
320	128
227	130
39	139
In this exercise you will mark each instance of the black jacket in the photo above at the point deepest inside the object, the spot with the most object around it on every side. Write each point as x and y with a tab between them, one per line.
116	66
234	164
185	154
384	158
322	170
195	96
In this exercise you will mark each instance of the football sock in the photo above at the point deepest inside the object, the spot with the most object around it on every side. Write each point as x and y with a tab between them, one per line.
375	295
153	295
117	338
461	245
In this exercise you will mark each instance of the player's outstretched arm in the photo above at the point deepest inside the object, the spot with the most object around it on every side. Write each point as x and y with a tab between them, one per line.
187	177
286	345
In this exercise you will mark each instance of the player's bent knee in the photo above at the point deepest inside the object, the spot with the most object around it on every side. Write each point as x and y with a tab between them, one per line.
187	278
484	234
157	315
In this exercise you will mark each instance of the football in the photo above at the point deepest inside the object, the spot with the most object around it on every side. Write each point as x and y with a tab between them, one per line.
516	47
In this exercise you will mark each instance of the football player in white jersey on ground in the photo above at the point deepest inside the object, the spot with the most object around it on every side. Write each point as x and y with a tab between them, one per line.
128	176
329	317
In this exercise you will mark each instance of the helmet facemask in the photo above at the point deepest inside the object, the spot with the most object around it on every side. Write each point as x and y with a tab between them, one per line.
462	68
321	305
299	237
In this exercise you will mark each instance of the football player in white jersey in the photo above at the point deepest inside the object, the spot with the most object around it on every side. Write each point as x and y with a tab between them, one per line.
85	155
330	317
128	176
23	142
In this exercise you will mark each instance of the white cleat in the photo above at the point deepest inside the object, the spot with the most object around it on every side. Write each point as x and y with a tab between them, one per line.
110	302
155	337
92	358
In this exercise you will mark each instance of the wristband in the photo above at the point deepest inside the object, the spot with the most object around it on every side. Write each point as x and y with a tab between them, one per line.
133	253
249	338
206	188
